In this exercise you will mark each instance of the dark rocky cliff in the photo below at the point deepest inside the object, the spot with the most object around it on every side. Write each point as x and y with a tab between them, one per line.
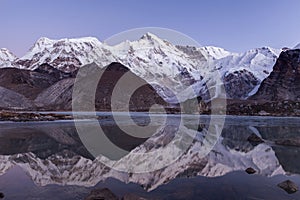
284	81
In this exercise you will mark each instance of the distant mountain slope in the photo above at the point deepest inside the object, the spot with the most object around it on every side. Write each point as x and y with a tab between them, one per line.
30	83
59	95
13	100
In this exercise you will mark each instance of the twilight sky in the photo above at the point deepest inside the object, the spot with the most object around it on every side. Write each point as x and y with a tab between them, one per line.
236	25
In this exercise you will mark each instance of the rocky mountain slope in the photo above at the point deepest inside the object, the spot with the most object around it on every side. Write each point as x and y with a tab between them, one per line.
12	100
279	93
284	81
30	83
59	95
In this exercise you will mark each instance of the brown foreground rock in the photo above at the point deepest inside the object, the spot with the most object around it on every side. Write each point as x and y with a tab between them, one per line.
289	186
250	170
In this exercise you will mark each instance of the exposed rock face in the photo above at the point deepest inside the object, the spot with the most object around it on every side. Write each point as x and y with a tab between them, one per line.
284	81
53	72
239	84
142	99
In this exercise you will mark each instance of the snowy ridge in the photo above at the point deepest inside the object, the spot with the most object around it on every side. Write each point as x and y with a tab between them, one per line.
297	46
215	52
66	54
259	61
256	62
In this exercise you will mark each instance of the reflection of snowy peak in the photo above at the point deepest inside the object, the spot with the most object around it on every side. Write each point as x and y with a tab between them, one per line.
66	168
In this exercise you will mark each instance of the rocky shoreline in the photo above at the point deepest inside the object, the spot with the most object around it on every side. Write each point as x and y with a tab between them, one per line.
30	116
264	108
22	116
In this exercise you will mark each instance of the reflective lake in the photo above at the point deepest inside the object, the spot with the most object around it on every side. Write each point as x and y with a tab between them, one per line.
154	157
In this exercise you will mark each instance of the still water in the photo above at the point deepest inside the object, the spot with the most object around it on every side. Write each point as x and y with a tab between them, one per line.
180	157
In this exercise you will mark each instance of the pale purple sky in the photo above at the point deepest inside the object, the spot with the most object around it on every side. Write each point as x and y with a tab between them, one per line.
236	25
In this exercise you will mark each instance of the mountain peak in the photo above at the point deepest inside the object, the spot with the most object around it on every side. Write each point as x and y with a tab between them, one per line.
149	36
4	49
44	39
6	55
153	38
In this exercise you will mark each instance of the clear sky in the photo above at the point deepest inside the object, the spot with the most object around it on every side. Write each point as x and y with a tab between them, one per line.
236	25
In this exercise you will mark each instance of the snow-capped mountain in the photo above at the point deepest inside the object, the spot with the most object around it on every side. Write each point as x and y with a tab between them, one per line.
6	58
243	73
65	54
177	73
162	64
259	61
284	81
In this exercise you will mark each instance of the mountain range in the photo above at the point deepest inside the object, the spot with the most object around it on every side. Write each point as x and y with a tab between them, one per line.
177	73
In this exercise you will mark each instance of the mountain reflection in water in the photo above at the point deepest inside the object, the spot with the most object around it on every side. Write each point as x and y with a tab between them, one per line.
51	153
